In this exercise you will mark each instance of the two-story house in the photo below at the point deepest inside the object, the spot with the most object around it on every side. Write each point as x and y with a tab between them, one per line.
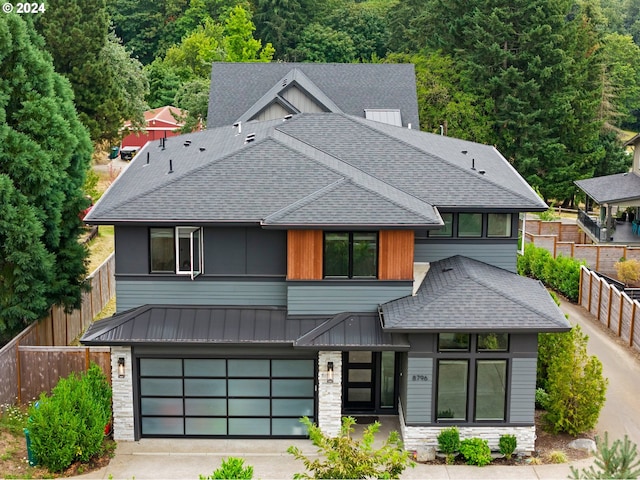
321	264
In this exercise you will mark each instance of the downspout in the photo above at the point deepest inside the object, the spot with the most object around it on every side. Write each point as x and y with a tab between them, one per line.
524	231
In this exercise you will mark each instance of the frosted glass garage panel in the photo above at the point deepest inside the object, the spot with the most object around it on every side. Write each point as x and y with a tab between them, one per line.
205	406
205	387
249	388
161	387
160	367
292	368
161	406
292	388
201	367
162	426
246	407
298	407
248	368
249	426
206	426
288	426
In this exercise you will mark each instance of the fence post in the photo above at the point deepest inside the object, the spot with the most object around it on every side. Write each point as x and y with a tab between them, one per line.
619	313
611	287
633	322
590	288
600	298
580	286
18	379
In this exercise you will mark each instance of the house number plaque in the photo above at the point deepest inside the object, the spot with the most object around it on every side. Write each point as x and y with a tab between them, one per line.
419	378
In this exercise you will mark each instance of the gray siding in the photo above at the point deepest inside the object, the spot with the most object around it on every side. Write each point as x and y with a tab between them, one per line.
523	390
227	251
301	100
419	390
319	299
502	255
133	293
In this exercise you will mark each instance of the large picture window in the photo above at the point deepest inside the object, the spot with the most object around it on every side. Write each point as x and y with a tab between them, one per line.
176	250
350	255
491	389
452	389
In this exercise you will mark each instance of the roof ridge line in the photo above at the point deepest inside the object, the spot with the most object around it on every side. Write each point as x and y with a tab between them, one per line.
352	172
367	124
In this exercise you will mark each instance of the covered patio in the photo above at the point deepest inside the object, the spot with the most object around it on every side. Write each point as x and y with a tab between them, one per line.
619	199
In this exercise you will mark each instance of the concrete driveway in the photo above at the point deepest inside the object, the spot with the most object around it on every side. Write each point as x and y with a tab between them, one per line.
621	412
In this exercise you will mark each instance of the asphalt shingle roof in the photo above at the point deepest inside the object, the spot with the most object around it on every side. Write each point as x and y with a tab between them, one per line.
237	87
461	294
378	174
612	188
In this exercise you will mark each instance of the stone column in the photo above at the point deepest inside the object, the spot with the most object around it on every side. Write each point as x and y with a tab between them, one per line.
123	427
330	394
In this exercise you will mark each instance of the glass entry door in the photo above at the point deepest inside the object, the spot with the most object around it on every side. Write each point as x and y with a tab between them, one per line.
369	382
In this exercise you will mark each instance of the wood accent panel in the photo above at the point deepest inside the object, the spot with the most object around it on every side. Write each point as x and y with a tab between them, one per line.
395	261
304	255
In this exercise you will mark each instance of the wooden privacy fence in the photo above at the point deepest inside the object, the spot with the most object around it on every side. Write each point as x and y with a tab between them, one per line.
568	240
613	308
59	328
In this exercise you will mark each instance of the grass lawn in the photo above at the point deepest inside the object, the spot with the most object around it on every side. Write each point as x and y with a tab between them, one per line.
100	247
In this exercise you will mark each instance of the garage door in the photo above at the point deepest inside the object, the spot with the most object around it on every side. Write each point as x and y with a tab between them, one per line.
225	397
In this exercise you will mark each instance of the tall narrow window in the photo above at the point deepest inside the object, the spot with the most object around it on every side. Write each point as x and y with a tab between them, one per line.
452	390
189	249
491	389
350	255
162	250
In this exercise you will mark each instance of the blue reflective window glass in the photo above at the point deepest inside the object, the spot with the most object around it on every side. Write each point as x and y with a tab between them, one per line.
162	426
298	407
200	367
160	367
204	387
248	368
248	388
205	406
292	368
206	426
293	388
249	426
245	407
161	387
161	406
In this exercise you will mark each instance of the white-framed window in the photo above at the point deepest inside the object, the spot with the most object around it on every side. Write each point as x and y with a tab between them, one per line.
176	250
189	251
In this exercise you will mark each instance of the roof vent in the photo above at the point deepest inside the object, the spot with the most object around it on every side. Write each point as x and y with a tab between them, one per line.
238	125
287	117
187	143
447	269
163	142
250	138
147	160
170	166
473	164
464	152
202	149
481	172
284	82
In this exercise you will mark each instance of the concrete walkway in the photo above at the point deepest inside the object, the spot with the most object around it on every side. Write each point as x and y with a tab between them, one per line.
187	459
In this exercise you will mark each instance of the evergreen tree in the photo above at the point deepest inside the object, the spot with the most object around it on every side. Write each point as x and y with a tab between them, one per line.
44	155
77	36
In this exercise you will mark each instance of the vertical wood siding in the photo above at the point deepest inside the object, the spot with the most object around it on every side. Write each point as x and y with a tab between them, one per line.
396	255
304	255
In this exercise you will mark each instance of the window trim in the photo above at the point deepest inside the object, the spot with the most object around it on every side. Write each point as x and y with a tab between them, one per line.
350	275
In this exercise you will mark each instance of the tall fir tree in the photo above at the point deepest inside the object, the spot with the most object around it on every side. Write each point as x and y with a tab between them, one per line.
533	63
44	154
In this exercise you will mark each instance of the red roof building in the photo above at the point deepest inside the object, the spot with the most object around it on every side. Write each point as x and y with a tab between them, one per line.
161	123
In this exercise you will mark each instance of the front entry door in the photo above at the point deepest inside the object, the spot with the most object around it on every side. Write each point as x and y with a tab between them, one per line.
369	382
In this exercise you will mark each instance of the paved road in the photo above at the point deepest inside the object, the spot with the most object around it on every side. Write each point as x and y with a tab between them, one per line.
621	412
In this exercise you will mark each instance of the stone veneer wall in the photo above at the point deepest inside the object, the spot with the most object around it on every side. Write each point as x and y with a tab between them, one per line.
427	436
122	395
330	394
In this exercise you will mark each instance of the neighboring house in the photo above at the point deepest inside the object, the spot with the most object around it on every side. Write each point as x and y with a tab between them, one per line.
618	196
242	92
321	265
159	123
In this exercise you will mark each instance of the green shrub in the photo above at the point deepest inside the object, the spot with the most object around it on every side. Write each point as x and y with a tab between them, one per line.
476	451
617	461
507	444
449	442
561	274
573	380
344	457
69	425
542	399
233	469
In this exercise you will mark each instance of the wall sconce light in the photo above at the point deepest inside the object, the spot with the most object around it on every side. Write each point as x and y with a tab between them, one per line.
330	372
120	367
